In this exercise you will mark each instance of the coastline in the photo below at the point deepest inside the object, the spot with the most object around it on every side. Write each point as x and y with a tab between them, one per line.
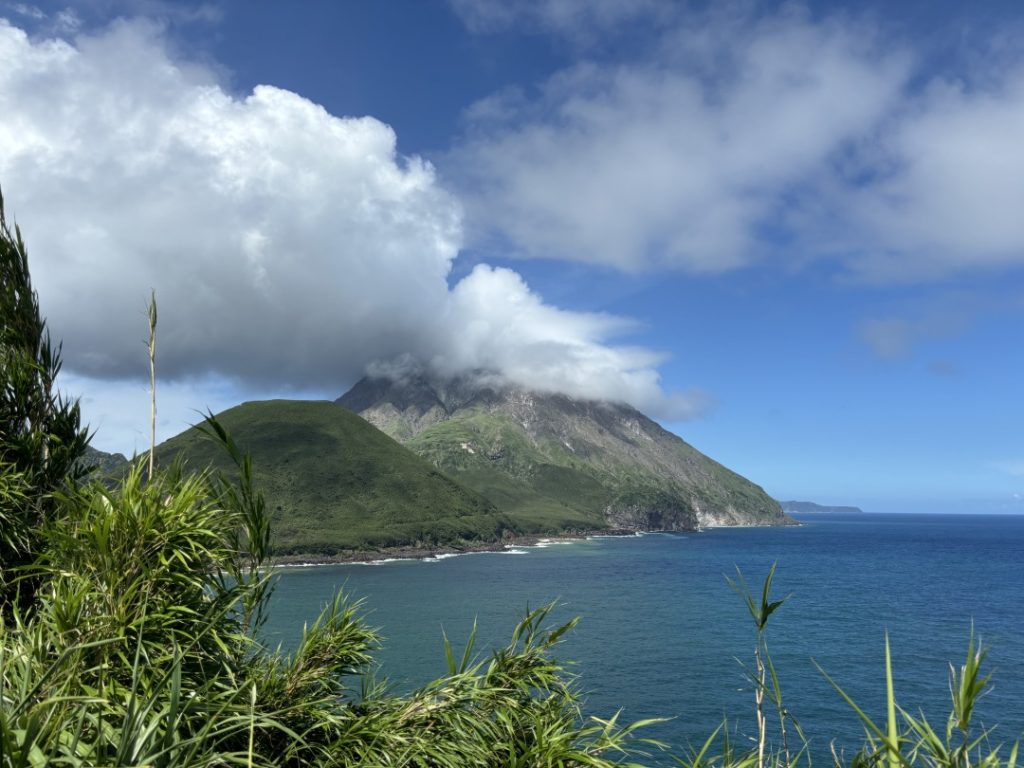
789	522
389	554
506	545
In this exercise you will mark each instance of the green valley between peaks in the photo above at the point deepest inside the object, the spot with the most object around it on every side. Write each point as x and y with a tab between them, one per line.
428	463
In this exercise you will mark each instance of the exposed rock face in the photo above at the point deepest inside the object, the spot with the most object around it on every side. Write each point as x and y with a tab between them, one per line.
670	515
557	460
103	464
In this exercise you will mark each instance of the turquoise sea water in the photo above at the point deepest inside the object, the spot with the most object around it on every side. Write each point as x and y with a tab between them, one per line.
661	631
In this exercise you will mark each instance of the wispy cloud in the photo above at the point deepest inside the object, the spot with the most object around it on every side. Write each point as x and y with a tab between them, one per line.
28	11
889	338
685	159
745	136
579	20
1012	467
899	328
948	180
63	22
896	337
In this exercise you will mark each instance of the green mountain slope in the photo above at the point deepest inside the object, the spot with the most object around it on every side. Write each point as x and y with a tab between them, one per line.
554	462
333	482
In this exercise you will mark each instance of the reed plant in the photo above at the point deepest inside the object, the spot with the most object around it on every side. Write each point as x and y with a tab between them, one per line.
908	740
904	740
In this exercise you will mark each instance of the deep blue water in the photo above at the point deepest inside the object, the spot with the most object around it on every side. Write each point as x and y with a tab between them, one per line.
661	631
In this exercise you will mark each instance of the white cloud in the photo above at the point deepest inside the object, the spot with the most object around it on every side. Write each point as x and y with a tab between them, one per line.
288	247
742	137
682	160
497	323
263	223
949	181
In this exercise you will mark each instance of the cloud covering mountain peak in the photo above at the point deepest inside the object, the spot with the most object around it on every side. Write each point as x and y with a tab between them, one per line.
288	247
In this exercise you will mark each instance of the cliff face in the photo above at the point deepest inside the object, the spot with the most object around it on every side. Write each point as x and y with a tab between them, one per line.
553	461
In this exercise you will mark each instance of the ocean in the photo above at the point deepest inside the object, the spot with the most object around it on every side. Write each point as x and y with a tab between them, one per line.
663	635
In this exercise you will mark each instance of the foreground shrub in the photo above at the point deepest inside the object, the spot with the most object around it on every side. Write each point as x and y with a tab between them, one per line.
140	650
41	438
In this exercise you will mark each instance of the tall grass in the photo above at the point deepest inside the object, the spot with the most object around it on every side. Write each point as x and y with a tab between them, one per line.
904	740
140	650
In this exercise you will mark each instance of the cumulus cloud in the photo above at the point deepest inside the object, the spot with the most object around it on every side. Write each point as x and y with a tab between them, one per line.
288	247
683	160
742	137
263	222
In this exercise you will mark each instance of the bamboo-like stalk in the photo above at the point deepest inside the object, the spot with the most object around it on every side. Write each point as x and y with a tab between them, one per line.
252	725
759	699
780	707
891	727
761	612
151	348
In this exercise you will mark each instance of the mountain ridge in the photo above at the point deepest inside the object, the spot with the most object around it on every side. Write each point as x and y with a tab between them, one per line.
555	459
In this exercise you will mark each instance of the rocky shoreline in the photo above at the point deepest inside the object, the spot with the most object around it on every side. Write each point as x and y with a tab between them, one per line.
426	553
466	548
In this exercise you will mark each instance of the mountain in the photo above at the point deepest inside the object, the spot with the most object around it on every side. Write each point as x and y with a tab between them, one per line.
333	483
103	464
803	507
553	462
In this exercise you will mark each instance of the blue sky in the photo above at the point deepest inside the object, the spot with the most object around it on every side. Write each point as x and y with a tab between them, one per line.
790	232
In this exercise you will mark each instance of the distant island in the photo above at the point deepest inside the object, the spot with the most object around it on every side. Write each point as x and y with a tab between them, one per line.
805	507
